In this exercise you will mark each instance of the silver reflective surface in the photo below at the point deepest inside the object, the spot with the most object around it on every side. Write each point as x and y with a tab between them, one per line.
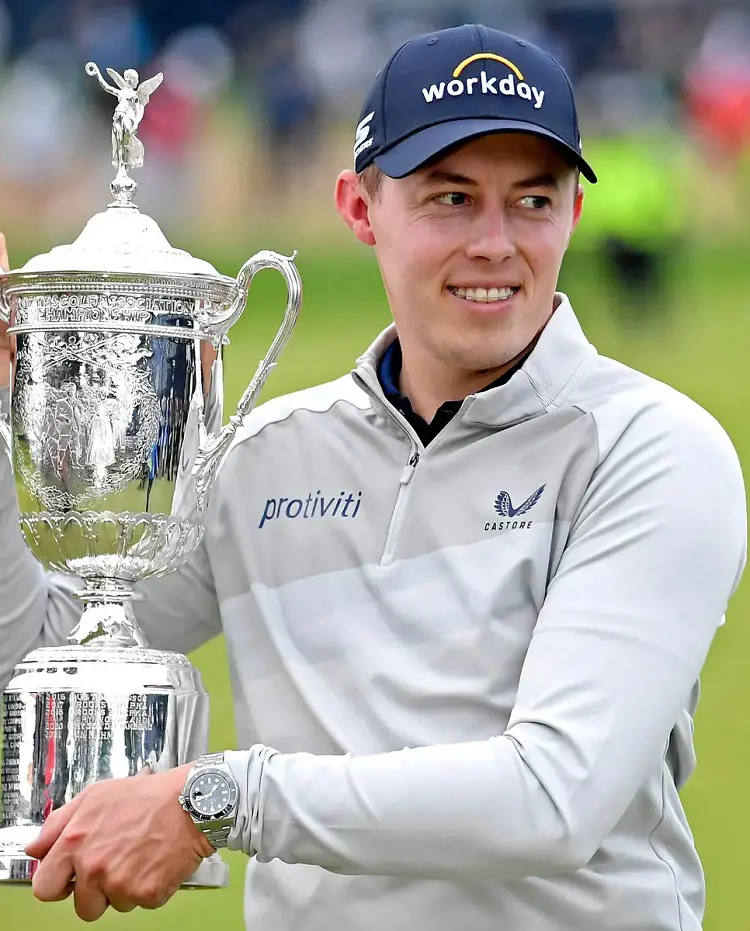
115	465
107	410
99	420
72	716
127	149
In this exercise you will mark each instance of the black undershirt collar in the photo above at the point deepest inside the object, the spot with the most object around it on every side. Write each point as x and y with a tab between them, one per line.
389	372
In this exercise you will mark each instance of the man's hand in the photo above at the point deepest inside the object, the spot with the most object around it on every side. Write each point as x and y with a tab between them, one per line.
123	842
4	338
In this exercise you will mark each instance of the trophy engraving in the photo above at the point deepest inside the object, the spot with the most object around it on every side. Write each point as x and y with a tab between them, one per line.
109	441
76	431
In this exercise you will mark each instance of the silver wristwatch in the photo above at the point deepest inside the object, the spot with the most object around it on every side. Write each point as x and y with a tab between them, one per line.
211	796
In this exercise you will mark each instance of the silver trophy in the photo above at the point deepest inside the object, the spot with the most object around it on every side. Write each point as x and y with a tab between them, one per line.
113	394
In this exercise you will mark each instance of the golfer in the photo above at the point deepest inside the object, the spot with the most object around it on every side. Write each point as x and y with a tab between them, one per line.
467	590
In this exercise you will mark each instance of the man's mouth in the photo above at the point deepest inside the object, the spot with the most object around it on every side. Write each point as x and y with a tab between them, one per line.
484	295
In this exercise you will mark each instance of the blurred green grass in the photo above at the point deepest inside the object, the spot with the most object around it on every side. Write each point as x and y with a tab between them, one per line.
698	342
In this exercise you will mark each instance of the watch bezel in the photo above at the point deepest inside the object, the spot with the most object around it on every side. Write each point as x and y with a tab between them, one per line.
186	800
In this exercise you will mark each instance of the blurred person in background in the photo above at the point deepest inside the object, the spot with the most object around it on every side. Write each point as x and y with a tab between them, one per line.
197	63
717	110
283	105
635	219
290	104
468	592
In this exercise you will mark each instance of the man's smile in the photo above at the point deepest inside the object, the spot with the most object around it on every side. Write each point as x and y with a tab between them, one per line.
483	295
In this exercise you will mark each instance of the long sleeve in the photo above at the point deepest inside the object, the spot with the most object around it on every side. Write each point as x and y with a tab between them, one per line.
656	549
38	608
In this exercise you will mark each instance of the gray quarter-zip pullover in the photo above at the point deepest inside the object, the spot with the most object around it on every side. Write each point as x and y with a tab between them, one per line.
476	663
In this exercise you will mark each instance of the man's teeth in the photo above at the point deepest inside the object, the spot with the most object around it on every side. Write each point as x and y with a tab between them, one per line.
484	295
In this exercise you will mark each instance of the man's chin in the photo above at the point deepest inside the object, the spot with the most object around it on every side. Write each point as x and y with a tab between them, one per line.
483	358
481	364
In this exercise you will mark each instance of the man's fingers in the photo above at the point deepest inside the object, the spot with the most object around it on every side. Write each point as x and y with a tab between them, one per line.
53	879
90	902
53	828
120	903
4	261
60	896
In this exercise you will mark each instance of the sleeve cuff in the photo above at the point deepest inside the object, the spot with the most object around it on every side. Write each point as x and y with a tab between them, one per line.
248	767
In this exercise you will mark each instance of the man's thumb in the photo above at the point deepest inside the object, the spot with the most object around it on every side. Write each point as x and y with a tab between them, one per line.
4	260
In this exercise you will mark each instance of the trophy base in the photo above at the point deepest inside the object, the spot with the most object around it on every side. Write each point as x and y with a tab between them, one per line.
16	867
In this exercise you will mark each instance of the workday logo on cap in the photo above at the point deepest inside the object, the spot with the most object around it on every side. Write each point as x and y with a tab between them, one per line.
448	87
513	84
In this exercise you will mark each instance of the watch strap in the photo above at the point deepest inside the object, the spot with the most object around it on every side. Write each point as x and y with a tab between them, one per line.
217	833
209	759
217	837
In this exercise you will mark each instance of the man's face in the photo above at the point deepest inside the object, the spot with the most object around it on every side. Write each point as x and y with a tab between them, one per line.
470	249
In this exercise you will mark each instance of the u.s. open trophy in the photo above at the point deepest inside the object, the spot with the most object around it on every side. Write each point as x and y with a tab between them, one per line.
113	448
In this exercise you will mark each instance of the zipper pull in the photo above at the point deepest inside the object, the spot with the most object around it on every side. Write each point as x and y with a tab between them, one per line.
411	465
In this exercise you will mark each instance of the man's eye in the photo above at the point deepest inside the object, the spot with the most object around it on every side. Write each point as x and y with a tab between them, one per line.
536	201
453	199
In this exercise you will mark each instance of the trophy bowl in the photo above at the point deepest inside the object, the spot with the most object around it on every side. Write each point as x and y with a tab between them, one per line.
115	440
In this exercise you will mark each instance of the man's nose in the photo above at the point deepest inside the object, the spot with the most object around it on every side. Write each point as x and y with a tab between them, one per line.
491	237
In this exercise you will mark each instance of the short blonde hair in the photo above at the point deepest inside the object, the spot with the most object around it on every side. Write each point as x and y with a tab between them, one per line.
371	180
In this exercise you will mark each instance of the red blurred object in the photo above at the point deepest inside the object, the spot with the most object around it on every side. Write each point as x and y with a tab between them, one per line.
718	105
170	122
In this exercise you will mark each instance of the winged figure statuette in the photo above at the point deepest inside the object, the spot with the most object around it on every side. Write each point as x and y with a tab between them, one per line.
132	97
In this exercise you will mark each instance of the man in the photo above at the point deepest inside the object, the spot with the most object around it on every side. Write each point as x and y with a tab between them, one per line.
467	592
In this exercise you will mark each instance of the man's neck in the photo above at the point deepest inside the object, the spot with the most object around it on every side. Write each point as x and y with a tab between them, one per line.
428	386
429	383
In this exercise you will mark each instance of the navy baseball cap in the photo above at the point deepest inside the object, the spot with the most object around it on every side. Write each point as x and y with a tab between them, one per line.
450	86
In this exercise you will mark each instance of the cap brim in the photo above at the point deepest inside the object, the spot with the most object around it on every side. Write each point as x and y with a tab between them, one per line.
411	153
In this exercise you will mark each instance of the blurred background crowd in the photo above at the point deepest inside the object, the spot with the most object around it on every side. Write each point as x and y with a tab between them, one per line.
260	98
244	138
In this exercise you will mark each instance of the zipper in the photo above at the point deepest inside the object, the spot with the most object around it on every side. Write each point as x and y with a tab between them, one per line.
397	515
372	386
386	557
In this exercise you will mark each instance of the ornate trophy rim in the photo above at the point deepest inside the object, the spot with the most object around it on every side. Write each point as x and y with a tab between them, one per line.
16	277
202	300
44	657
195	285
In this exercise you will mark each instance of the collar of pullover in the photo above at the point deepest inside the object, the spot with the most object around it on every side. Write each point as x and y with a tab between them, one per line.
540	384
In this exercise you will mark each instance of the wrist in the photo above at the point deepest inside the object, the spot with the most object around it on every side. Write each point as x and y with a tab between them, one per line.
203	845
177	778
210	798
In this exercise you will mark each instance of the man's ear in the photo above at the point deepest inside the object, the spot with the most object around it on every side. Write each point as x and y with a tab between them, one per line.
577	211
354	206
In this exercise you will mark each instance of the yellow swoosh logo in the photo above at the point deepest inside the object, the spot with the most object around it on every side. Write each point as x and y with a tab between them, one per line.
491	55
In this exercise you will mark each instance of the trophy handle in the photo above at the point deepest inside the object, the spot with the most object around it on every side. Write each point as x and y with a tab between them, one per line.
212	449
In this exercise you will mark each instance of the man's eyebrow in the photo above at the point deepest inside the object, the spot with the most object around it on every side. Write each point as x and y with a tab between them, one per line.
449	177
544	180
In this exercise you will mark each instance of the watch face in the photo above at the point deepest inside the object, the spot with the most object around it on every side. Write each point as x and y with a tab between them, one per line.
213	795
